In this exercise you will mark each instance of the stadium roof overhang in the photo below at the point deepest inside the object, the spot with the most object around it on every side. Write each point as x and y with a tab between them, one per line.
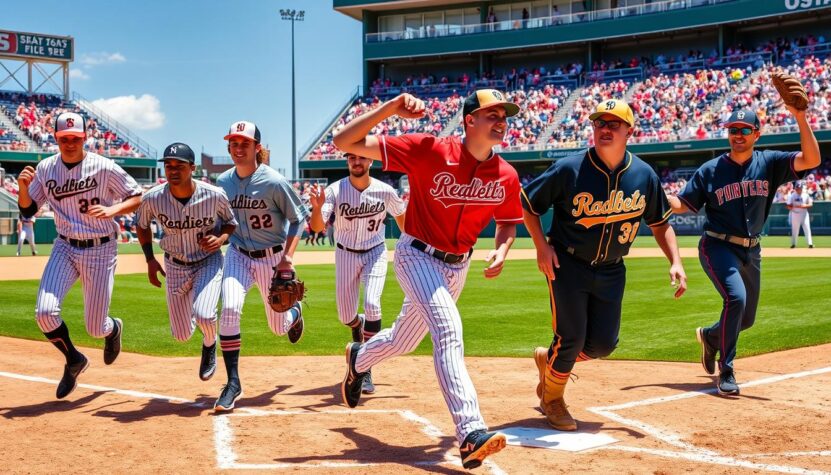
355	8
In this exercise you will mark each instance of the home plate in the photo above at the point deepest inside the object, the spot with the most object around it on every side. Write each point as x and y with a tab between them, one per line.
549	439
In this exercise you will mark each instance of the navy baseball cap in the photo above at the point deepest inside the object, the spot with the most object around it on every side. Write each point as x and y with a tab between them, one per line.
744	117
178	151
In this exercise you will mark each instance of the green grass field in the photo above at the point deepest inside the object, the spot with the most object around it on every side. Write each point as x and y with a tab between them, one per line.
505	317
521	243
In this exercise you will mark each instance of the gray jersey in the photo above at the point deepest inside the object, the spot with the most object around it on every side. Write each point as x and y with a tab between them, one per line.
185	224
266	207
70	193
360	215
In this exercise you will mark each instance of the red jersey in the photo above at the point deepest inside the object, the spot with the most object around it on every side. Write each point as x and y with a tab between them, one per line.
453	196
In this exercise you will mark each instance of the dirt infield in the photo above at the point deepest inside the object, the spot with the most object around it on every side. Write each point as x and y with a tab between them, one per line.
31	267
150	414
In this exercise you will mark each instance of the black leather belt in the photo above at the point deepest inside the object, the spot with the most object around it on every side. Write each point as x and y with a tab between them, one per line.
357	251
260	253
739	241
445	257
86	243
183	263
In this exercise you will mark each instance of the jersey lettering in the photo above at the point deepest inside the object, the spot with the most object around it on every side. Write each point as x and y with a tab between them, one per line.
187	223
364	210
450	193
616	208
246	202
746	188
71	188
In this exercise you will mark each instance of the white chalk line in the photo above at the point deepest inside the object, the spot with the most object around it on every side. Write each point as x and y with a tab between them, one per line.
691	451
223	433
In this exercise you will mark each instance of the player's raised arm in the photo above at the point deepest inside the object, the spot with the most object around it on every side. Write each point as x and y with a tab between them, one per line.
317	196
355	138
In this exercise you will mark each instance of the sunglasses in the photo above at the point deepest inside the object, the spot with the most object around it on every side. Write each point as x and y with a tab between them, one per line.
741	130
611	124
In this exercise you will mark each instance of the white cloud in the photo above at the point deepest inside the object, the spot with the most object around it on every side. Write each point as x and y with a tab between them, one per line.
78	73
95	59
141	113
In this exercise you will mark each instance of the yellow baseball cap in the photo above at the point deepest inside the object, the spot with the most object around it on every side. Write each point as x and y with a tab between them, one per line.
616	107
487	98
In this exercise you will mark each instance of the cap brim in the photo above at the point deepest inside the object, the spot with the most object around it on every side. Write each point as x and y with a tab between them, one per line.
243	136
597	115
70	134
740	122
180	159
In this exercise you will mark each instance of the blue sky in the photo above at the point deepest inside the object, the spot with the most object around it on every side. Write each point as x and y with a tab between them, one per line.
207	63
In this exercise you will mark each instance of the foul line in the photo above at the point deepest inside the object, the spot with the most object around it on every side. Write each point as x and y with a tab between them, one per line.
693	452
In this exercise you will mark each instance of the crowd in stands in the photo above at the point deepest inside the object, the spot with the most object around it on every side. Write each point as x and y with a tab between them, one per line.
35	116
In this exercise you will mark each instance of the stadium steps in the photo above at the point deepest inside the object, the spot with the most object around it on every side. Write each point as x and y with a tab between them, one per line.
7	123
452	124
557	119
324	133
630	93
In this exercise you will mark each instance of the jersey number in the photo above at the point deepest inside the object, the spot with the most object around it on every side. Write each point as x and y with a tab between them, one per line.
85	204
628	232
375	224
258	223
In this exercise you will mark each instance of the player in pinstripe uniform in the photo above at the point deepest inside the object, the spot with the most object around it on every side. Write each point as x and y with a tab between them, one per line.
26	232
457	187
197	220
360	205
86	191
600	196
270	219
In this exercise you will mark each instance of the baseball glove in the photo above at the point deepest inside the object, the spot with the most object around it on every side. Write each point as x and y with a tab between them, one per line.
790	89
285	290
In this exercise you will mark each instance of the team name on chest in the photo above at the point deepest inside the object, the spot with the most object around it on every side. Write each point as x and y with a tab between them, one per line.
364	210
447	191
618	207
188	223
71	187
246	202
745	188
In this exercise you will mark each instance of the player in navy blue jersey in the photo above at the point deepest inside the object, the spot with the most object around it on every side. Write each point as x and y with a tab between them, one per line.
600	196
736	190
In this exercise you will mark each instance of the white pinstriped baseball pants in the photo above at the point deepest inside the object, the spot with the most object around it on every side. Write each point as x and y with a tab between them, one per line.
192	295
240	273
352	269
431	289
95	266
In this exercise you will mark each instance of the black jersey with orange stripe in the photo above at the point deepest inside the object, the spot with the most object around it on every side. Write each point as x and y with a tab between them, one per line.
597	211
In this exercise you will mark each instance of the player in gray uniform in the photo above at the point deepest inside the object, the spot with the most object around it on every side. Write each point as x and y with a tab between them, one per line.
271	218
86	191
26	232
197	220
360	205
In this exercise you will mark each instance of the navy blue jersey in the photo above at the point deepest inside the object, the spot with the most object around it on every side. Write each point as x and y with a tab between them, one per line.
738	197
597	211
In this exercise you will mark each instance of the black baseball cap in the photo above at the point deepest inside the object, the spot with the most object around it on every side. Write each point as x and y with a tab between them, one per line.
744	117
178	151
487	98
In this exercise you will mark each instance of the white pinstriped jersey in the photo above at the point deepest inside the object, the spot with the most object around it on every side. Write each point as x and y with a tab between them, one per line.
360	215
185	224
71	192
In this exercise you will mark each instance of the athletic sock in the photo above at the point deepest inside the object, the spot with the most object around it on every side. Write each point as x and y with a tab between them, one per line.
60	338
230	354
371	328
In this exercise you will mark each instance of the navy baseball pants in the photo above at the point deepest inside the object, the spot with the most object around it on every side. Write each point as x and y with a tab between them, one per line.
736	274
585	310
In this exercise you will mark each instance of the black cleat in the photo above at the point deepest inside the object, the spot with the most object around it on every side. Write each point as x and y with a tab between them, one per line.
69	380
367	387
353	381
727	383
708	353
230	393
478	445
358	331
207	367
295	332
112	343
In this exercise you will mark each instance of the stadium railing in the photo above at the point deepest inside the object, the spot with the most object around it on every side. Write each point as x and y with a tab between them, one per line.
435	31
614	75
821	51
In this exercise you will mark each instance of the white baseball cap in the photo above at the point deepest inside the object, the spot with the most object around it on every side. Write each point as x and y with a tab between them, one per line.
245	130
70	123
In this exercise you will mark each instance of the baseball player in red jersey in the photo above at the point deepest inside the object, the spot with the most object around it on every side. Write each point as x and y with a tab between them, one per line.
456	187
